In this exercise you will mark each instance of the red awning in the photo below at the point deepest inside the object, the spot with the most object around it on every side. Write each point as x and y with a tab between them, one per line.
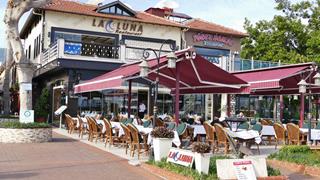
196	76
277	80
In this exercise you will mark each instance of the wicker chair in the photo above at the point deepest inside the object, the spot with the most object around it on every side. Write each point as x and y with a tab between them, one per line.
294	135
264	122
94	129
82	127
126	139
159	123
280	133
210	134
71	124
135	143
221	137
110	137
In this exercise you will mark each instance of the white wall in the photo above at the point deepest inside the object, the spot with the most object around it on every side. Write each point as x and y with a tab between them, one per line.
30	40
81	22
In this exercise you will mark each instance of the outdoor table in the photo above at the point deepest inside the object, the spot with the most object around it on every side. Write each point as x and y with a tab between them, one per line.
198	130
267	131
245	136
237	121
315	133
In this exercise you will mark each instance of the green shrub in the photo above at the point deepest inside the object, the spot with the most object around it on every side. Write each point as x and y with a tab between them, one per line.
273	172
9	117
41	109
297	154
18	125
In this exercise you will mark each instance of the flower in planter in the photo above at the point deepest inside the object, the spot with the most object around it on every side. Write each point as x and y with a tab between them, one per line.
162	132
200	147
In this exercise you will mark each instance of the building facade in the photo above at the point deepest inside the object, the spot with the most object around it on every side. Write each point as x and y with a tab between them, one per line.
72	42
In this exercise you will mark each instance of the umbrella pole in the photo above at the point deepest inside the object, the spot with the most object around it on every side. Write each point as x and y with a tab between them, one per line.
129	98
177	94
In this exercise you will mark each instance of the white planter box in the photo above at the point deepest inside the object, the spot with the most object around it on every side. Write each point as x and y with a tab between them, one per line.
161	147
202	162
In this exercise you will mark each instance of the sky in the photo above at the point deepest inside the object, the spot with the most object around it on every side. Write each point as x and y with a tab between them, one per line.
230	13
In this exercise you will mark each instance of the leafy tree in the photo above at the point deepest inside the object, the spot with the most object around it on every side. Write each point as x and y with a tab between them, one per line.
292	37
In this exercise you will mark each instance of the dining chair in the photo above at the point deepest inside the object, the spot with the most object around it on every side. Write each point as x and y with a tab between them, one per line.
126	139
147	123
137	143
82	127
243	125
294	134
159	123
171	125
71	123
264	122
95	129
253	122
210	135
110	136
257	127
221	137
280	133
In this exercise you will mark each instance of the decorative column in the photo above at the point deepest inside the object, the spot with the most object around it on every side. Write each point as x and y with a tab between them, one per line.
301	109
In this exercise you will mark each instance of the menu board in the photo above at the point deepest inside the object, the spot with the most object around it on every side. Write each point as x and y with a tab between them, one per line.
244	170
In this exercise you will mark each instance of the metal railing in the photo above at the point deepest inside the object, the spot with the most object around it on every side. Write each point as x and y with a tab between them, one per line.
49	54
76	50
246	64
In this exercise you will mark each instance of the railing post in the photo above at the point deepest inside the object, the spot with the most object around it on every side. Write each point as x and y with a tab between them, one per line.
122	52
60	48
252	63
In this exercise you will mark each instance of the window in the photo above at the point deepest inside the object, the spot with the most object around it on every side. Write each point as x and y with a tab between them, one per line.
211	54
116	8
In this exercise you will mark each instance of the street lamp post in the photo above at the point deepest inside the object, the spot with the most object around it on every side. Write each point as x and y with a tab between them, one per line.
144	68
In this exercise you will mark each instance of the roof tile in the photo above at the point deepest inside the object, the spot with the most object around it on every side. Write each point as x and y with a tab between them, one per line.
202	25
74	7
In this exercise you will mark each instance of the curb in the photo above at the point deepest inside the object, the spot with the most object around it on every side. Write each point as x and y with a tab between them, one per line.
165	174
298	168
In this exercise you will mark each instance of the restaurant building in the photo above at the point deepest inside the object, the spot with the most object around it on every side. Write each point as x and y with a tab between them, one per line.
72	42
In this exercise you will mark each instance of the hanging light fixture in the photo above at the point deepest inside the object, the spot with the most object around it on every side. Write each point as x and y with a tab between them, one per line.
144	68
302	86
317	79
295	97
260	98
172	60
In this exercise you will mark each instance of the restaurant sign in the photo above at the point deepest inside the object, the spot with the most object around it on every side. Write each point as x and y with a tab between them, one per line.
181	157
120	27
213	39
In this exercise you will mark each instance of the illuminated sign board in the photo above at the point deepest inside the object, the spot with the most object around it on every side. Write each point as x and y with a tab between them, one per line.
213	39
121	27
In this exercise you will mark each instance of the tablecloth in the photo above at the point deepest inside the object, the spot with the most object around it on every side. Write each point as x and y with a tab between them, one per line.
268	131
197	129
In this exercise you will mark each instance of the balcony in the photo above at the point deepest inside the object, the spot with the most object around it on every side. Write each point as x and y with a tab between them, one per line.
80	51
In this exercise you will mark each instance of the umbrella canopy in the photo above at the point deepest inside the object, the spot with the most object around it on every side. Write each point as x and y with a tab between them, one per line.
197	75
278	80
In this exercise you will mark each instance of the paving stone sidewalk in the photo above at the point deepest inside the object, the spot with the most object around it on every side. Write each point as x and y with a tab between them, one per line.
64	158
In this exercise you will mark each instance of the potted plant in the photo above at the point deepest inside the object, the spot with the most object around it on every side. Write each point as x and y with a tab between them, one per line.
162	142
202	156
42	106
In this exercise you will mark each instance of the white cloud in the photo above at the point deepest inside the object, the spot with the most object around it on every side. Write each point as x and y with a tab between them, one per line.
95	2
167	3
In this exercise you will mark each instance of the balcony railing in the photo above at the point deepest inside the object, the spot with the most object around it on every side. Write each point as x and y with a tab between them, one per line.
245	64
80	51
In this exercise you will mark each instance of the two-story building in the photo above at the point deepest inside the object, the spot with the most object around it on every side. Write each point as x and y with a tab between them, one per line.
72	42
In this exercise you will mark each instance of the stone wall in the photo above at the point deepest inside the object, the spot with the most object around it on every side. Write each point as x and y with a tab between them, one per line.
25	135
9	120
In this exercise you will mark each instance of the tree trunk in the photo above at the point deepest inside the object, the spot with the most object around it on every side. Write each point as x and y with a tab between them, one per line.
6	81
14	11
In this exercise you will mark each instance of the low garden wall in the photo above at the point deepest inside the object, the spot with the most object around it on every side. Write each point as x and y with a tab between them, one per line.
36	135
8	119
